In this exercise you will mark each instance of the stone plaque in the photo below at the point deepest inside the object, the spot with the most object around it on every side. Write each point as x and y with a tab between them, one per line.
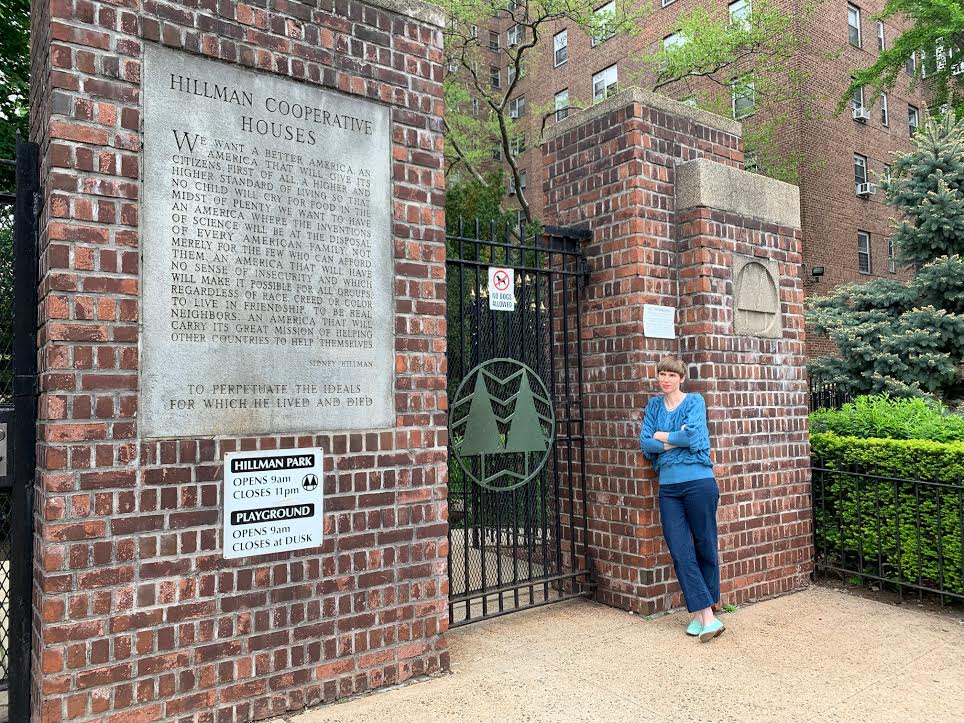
267	274
756	297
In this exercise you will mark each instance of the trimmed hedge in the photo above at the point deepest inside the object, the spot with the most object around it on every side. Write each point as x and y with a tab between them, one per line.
861	521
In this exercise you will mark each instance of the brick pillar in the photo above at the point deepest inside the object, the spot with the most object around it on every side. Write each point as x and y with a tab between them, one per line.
615	169
137	615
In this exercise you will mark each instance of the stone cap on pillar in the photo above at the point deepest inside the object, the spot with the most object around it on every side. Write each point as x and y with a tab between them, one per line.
705	183
415	9
649	100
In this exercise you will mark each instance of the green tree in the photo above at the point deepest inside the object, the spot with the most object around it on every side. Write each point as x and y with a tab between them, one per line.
741	65
483	117
907	339
14	77
933	47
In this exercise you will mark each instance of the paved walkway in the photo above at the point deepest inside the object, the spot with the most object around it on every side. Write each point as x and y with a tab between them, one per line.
818	655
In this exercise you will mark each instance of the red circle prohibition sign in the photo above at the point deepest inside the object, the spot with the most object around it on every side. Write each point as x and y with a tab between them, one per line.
501	280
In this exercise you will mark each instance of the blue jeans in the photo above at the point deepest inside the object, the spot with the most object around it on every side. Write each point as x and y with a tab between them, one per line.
687	511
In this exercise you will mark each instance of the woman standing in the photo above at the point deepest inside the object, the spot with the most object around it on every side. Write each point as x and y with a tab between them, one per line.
675	439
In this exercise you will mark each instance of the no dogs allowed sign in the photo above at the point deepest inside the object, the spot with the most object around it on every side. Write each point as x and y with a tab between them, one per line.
273	501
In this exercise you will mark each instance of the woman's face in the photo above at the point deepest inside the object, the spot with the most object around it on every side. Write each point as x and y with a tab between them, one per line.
669	382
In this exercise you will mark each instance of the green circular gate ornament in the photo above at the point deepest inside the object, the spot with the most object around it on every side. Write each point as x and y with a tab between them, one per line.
501	424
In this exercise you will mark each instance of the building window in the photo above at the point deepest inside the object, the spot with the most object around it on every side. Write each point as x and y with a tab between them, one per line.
881	42
891	256
604	84
853	25
520	218
560	46
510	74
911	64
863	252
512	6
860	170
493	40
691	101
676	40
511	180
858	100
495	77
475	106
562	104
886	174
523	180
518	144
884	113
664	3
751	162
744	97
517	107
497	153
912	120
514	35
740	12
475	32
602	15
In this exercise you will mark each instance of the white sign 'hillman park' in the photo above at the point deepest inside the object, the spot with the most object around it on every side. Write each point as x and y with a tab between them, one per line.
267	277
501	289
273	501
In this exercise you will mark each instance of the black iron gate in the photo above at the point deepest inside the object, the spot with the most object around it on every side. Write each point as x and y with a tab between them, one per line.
18	373
517	486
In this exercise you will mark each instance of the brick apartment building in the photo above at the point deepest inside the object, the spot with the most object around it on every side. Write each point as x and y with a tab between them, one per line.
845	225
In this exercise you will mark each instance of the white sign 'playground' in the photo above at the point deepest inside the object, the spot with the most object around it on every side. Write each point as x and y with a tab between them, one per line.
501	289
273	501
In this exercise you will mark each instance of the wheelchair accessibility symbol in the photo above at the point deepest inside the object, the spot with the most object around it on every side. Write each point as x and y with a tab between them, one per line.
309	483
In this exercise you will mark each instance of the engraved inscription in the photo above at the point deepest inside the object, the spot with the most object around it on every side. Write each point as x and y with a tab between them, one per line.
267	255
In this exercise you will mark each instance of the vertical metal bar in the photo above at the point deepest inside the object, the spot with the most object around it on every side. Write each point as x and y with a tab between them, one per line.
23	433
479	492
587	556
569	412
940	545
880	542
551	292
920	560
900	561
860	529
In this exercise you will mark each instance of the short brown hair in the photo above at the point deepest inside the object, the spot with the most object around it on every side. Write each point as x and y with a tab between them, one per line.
671	364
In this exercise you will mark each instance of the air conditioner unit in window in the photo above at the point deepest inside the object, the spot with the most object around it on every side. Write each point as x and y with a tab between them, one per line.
514	114
865	190
861	114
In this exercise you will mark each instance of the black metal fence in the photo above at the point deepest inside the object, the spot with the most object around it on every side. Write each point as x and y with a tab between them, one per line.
904	534
827	395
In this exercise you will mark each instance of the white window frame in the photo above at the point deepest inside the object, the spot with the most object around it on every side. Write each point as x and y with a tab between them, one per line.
514	35
857	101
913	112
860	161
891	255
518	144
562	104
509	73
608	8
912	61
863	238
517	107
495	41
740	11
475	106
666	3
673	40
558	47
881	36
523	180
751	109
884	111
851	11
610	88
496	77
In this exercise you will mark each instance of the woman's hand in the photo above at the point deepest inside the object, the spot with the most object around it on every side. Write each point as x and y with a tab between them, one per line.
661	436
667	446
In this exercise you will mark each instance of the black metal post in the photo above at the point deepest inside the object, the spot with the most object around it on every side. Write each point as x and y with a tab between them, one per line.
23	434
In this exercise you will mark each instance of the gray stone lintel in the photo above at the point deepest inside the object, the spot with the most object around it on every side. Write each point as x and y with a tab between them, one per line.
710	184
416	9
646	98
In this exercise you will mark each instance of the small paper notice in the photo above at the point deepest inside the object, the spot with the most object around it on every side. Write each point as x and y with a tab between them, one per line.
659	322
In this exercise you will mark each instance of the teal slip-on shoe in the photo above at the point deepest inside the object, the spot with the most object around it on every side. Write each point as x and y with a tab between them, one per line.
711	631
694	628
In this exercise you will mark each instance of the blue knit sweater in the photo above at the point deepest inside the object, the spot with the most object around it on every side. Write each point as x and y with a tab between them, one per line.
691	457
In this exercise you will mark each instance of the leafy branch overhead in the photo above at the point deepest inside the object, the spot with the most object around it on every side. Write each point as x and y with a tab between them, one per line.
483	108
907	339
932	48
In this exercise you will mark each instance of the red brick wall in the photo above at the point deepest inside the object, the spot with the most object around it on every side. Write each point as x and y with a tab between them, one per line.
614	172
756	396
137	615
